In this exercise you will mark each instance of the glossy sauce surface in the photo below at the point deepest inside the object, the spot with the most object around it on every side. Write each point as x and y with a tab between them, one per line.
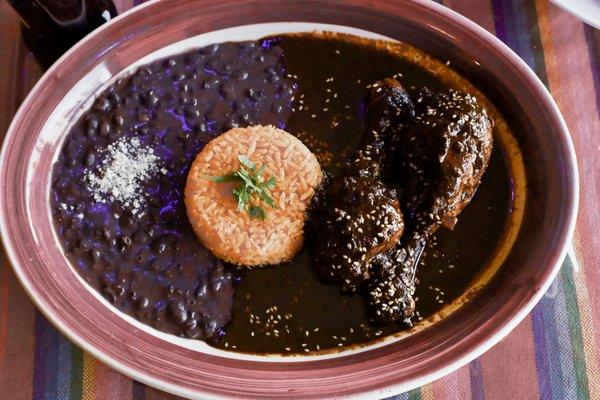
312	86
287	307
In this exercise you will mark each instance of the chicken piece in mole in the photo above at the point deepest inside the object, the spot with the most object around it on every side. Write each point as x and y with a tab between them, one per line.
442	157
416	168
357	215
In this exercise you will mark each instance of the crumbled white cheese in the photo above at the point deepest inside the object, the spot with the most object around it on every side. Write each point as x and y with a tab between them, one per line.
125	166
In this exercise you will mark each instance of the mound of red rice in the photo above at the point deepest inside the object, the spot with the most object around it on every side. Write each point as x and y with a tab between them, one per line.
231	234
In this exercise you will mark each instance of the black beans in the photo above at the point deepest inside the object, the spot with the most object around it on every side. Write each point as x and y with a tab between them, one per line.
178	312
210	50
102	104
191	324
93	123
255	94
115	98
201	291
212	66
89	160
119	120
241	76
96	254
109	294
119	290
105	128
149	264
162	244
151	99
143	303
170	289
227	90
210	327
126	240
274	78
192	113
127	222
216	284
141	237
134	295
83	245
144	130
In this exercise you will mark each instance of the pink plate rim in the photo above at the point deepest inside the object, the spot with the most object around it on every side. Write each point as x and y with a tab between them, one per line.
183	372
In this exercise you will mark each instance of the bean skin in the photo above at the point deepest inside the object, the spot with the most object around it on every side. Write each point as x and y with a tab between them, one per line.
150	264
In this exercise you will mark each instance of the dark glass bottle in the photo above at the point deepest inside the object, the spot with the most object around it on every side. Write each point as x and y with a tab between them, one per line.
51	27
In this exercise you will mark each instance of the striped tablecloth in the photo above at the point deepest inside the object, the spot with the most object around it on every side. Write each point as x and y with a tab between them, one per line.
553	354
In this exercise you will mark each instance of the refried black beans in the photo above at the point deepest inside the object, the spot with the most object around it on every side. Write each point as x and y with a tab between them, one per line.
118	185
144	257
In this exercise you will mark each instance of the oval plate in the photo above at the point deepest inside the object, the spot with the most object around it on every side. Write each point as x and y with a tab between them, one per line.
31	146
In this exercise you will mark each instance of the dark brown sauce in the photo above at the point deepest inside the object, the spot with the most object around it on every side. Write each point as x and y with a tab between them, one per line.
151	266
332	74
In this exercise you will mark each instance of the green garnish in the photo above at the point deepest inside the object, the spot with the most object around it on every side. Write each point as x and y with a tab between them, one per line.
250	182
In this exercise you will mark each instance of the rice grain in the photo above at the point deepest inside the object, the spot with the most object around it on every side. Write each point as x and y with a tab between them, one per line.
231	234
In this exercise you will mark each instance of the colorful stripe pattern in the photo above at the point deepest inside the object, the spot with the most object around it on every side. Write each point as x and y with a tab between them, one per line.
553	354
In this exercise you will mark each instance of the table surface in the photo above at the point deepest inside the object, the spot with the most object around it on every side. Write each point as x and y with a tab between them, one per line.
553	354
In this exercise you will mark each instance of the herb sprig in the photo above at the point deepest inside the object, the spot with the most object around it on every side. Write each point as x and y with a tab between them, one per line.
251	182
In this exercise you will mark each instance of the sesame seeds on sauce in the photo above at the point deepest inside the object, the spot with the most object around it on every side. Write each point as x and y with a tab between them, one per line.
328	116
287	317
271	325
